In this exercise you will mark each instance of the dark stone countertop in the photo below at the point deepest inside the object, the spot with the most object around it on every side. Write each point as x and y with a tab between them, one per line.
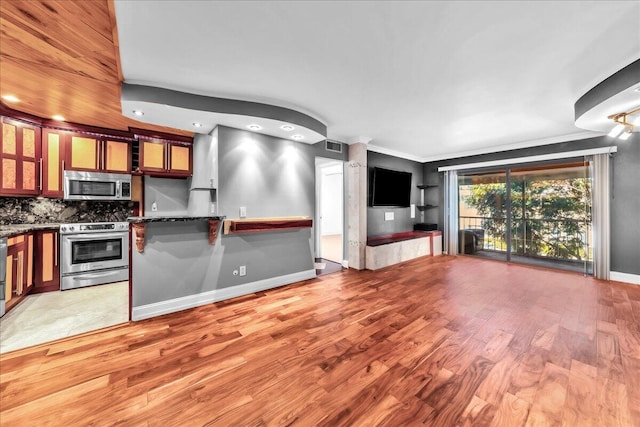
9	230
139	219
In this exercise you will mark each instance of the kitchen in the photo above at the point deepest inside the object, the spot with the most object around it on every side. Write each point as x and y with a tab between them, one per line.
66	195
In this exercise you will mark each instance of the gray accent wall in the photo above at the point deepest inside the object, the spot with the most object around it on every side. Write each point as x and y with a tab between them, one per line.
268	176
402	219
625	191
170	195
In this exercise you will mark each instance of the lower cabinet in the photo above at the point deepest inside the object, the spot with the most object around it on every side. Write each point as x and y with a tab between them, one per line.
32	265
47	265
19	280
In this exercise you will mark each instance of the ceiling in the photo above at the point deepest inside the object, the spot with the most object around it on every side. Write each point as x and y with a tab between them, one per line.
59	57
423	80
427	80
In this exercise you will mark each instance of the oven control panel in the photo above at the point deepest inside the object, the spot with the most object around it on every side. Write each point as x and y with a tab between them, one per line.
95	227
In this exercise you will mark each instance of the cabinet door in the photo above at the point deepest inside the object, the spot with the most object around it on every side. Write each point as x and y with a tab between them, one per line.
153	156
47	267
53	143
19	158
83	153
117	156
180	159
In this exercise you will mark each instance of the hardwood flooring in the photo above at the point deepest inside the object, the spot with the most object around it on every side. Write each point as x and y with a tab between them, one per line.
435	341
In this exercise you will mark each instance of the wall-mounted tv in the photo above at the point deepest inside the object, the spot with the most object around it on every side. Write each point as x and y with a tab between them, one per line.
390	188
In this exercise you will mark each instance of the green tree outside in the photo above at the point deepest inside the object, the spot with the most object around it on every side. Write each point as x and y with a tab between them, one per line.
549	217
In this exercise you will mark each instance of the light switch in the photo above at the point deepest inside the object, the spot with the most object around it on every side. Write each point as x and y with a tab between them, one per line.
413	210
388	216
243	211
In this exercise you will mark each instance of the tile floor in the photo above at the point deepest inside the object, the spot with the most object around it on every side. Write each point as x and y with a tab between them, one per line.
54	315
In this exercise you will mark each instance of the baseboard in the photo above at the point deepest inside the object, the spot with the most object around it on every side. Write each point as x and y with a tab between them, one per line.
190	301
345	263
625	277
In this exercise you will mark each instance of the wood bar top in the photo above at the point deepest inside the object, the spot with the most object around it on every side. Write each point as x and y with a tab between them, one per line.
257	225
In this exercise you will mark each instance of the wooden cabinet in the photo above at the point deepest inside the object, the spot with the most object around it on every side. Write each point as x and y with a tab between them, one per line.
166	158
52	162
100	154
19	158
19	280
47	262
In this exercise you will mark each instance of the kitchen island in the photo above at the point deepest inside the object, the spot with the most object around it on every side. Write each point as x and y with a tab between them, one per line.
180	262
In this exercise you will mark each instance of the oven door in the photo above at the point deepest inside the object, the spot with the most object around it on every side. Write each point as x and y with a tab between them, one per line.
94	251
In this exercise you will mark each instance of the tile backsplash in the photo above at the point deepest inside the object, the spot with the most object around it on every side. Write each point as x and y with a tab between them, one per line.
22	210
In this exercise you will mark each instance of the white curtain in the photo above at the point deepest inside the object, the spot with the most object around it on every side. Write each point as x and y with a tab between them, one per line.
599	169
451	212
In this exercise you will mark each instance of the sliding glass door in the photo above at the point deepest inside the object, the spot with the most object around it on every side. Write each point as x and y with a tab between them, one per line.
537	215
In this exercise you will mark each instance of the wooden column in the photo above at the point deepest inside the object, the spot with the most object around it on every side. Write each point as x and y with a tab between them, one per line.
357	202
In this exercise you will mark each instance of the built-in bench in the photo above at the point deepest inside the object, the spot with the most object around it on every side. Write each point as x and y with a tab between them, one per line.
389	249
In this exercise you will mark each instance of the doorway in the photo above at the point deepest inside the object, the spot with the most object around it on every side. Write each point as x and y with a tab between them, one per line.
329	230
538	215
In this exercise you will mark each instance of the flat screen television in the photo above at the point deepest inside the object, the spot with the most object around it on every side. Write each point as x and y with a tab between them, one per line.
390	188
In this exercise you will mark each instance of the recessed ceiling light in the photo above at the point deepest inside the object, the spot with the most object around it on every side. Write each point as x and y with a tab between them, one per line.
196	124
10	98
297	136
58	118
637	89
287	128
138	113
254	127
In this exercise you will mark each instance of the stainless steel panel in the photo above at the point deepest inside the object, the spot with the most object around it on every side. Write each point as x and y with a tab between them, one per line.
99	277
3	273
96	177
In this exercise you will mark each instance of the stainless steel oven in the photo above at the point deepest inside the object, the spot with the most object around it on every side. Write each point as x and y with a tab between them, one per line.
79	185
93	254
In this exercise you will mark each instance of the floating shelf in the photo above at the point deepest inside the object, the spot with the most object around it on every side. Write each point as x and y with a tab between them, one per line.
426	207
258	225
425	186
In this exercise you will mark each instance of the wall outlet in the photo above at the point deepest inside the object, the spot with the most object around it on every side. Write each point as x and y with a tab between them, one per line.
243	211
388	216
154	207
213	208
413	210
243	270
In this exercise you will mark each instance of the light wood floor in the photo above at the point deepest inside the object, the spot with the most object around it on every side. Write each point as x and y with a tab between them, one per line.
437	341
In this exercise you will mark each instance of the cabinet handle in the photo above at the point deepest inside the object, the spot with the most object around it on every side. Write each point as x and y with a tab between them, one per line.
40	180
63	166
168	165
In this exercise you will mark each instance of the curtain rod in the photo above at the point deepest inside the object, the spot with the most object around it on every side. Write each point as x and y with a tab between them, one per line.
529	159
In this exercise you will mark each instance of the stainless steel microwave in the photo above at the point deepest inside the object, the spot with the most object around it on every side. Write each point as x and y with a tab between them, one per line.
96	186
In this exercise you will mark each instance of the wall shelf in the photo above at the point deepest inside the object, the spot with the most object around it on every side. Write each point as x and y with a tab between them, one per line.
424	207
258	225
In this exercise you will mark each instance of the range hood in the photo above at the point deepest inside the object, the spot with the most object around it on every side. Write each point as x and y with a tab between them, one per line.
205	162
203	184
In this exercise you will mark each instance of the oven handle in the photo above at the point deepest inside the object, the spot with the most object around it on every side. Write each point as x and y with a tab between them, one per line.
95	236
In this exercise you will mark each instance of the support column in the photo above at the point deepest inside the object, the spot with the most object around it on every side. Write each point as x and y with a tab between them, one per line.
357	201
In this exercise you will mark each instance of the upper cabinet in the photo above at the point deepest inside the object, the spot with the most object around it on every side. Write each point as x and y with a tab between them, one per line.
52	162
165	157
97	153
19	158
35	152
